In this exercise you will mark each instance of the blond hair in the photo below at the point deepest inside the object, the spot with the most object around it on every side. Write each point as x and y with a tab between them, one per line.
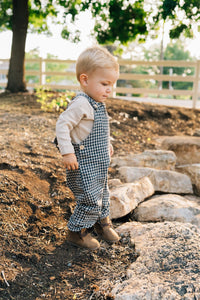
93	58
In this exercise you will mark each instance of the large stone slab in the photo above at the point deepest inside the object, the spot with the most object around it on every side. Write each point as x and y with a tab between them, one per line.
162	180
186	148
168	208
158	159
193	171
194	198
168	265
124	198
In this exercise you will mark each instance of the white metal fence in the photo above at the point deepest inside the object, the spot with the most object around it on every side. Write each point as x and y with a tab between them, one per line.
47	72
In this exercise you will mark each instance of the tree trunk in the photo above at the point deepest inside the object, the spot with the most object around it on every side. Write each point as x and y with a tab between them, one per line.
16	82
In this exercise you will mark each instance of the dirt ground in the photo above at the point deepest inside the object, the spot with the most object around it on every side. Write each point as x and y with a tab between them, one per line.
35	260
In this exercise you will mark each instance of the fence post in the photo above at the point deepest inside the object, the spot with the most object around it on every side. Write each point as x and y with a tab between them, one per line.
196	84
113	93
42	70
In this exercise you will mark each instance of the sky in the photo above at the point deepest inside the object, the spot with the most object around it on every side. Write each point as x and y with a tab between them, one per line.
64	49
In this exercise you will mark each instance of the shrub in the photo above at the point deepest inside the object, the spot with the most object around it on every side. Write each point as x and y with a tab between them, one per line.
52	101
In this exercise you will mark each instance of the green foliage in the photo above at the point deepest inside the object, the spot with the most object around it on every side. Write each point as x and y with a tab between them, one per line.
57	67
67	35
176	51
5	14
176	32
39	12
50	66
32	66
182	14
135	83
115	20
53	101
119	20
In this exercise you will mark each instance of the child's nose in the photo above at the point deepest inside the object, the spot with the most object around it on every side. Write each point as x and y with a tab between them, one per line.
109	89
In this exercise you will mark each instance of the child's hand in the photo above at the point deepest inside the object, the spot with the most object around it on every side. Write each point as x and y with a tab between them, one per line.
111	150
70	161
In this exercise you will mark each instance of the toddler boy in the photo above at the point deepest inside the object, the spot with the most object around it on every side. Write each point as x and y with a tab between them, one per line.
83	139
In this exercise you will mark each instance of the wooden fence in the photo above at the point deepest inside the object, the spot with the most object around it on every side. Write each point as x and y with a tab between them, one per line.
44	73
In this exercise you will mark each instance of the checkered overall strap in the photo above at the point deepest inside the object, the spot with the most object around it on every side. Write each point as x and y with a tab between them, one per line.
96	145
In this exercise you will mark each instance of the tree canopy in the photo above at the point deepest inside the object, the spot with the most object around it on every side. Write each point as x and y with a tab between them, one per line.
183	15
114	19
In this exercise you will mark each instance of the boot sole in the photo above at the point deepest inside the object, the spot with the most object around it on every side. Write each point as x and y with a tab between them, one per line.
81	247
108	241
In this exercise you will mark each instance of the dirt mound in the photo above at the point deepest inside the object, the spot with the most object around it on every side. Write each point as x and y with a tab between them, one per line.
36	262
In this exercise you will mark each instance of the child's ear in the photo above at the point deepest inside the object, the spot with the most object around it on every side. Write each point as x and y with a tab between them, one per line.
83	79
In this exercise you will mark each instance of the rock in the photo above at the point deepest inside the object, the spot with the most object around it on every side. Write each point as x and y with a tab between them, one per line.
193	171
186	148
114	182
124	198
197	132
158	159
168	265
193	198
168	208
162	180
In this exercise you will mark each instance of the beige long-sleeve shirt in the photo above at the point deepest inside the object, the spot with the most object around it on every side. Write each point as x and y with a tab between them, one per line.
74	124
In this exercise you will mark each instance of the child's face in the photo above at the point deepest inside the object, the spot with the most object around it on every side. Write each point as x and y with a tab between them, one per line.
98	85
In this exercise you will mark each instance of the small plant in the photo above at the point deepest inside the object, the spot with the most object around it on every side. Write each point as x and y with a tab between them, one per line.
53	101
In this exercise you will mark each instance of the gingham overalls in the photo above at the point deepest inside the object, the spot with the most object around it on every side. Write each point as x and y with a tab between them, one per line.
89	182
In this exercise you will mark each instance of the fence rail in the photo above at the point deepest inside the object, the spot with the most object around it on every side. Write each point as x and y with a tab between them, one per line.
47	73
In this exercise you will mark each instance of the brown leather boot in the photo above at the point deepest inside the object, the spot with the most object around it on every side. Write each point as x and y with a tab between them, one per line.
105	231
82	239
